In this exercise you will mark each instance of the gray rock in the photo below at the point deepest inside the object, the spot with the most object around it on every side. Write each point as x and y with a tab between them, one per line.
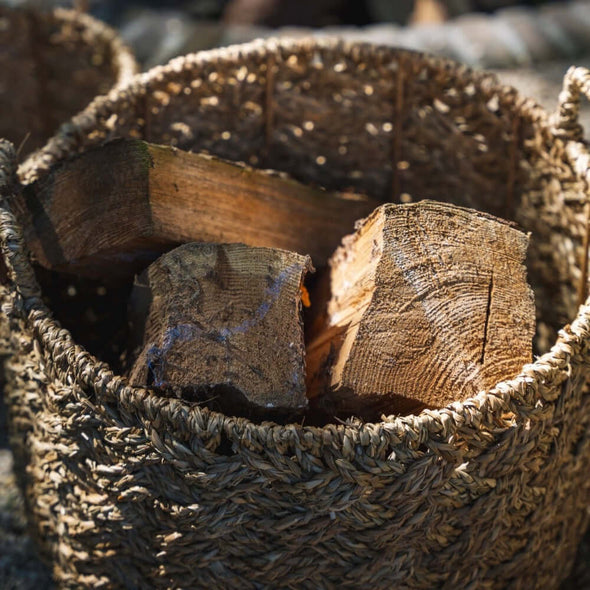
158	36
543	39
20	567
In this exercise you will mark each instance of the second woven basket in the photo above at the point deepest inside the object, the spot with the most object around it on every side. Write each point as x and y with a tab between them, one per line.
52	64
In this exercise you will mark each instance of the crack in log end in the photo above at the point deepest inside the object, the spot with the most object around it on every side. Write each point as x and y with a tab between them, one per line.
487	320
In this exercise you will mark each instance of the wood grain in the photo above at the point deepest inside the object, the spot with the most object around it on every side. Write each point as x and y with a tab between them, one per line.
223	323
112	210
429	304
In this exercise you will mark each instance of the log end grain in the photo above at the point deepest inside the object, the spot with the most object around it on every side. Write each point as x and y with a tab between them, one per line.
224	322
429	305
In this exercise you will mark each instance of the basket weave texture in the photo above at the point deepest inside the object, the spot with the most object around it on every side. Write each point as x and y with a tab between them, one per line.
131	490
52	64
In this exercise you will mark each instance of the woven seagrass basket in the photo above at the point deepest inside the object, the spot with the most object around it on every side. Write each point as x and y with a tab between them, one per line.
52	64
130	490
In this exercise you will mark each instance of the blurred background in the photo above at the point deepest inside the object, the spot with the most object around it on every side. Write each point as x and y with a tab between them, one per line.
490	33
529	44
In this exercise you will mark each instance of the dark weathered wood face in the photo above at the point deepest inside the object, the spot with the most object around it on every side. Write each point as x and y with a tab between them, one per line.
223	321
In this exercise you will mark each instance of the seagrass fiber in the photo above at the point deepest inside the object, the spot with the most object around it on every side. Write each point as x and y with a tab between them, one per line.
131	490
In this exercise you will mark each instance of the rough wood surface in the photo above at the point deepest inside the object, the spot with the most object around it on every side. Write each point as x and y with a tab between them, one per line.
429	304
112	210
223	323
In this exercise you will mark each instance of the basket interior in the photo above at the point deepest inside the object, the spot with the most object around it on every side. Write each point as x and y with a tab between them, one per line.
397	125
50	68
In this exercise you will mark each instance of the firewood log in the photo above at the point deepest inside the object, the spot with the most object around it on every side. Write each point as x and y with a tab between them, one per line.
112	210
429	304
222	323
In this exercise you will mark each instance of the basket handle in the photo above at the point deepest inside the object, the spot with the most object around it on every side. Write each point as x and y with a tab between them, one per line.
566	123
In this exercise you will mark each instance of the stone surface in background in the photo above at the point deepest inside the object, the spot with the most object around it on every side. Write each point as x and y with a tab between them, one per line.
20	568
510	37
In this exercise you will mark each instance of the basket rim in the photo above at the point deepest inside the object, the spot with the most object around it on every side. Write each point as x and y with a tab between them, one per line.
67	136
125	65
539	381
